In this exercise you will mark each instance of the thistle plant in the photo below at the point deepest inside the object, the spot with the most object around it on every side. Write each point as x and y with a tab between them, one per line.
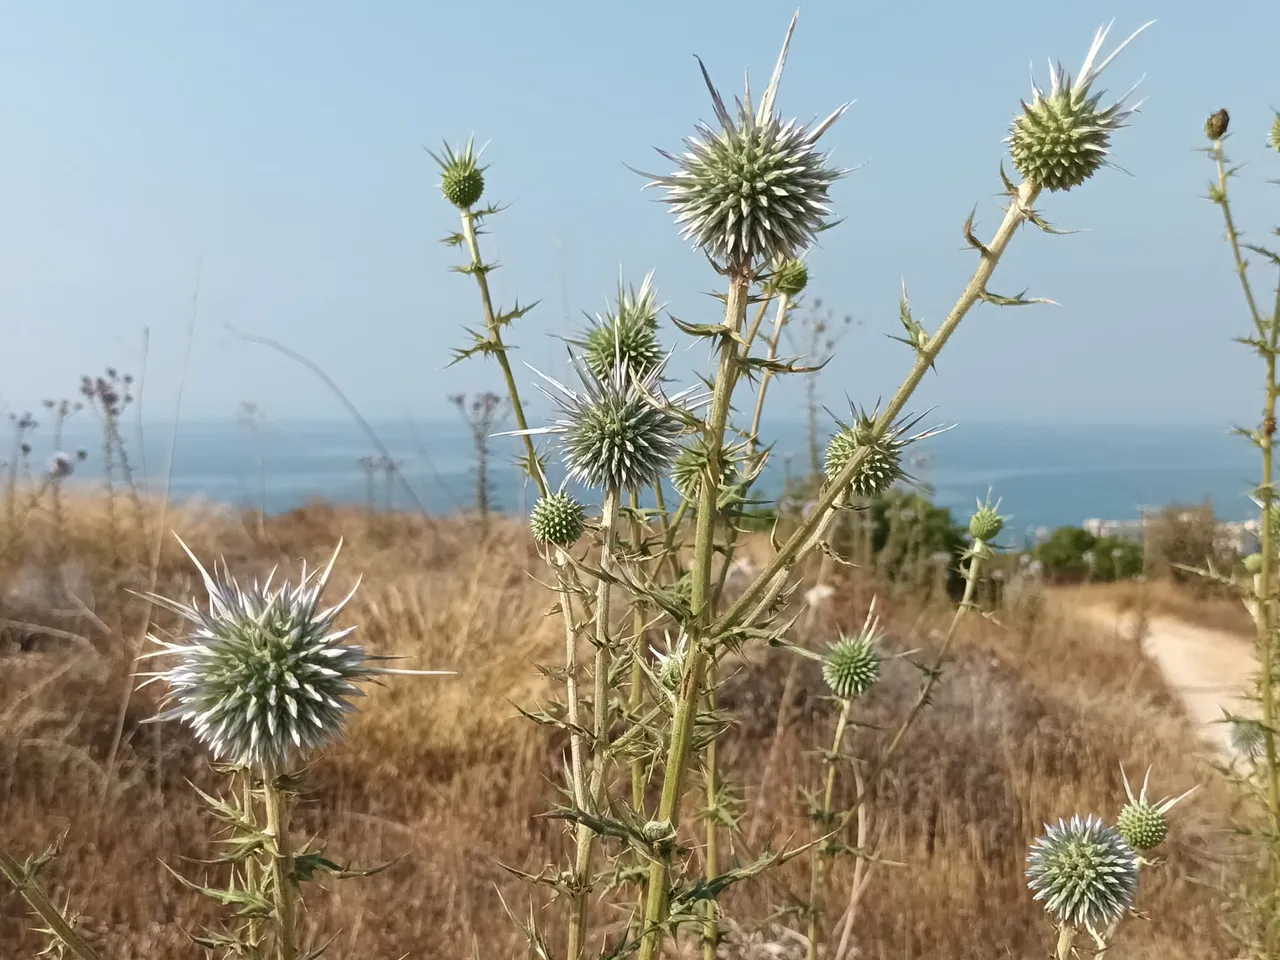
1256	738
752	192
264	678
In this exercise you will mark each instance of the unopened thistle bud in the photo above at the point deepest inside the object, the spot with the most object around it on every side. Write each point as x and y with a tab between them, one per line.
1144	824
1084	872
462	179
557	519
790	278
693	464
756	190
1273	140
881	467
1248	738
852	665
1063	137
1253	563
264	676
627	334
1215	128
986	523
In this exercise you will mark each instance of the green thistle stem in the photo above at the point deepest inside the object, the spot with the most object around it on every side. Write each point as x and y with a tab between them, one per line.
31	891
1268	332
691	683
770	582
819	861
281	853
252	876
636	695
711	929
600	728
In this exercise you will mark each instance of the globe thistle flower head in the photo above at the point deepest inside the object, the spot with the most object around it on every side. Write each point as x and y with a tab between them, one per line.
558	519
462	177
1248	738
1063	136
757	189
1084	872
264	676
618	433
1142	823
790	277
882	466
627	334
852	664
986	523
691	467
1273	138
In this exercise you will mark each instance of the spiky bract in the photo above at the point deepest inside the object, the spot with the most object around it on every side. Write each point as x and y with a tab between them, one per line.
558	519
627	334
1063	137
790	277
882	466
618	433
263	676
1248	738
462	178
852	664
669	662
1084	871
755	191
1273	139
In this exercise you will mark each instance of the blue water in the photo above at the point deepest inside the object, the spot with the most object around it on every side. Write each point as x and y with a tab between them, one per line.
1047	475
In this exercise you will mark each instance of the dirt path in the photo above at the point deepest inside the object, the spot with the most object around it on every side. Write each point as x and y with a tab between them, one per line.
1206	668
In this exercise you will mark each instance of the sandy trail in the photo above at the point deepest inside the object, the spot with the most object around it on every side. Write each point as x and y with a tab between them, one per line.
1208	669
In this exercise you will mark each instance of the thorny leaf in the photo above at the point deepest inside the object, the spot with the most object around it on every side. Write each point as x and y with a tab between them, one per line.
249	903
974	242
1019	300
537	942
305	867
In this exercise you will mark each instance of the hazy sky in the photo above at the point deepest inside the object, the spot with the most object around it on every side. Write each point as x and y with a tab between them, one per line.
275	152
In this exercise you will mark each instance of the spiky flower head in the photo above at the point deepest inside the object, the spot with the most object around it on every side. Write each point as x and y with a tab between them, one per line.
1084	871
1273	139
1215	128
558	519
1248	738
852	665
755	191
626	334
790	277
882	466
1142	823
618	433
1062	137
1253	563
263	675
462	177
986	523
692	465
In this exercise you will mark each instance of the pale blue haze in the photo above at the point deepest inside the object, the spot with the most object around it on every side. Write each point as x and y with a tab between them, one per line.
275	153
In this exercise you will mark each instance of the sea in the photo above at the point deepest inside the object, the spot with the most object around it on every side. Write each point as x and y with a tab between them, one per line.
1046	475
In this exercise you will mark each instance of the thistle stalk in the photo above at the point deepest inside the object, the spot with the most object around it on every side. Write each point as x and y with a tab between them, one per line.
1268	343
31	891
1066	937
281	853
600	726
691	685
820	857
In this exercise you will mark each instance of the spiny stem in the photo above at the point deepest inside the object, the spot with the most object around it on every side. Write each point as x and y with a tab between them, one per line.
711	930
1066	937
281	853
770	582
704	548
819	855
252	879
31	891
600	728
636	695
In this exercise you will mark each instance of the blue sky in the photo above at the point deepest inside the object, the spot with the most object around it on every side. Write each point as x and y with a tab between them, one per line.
275	151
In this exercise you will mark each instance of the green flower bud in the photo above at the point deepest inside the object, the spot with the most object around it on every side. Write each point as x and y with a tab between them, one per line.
1273	140
1253	563
986	524
1248	738
462	179
557	519
852	664
1063	137
790	278
627	334
1142	825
